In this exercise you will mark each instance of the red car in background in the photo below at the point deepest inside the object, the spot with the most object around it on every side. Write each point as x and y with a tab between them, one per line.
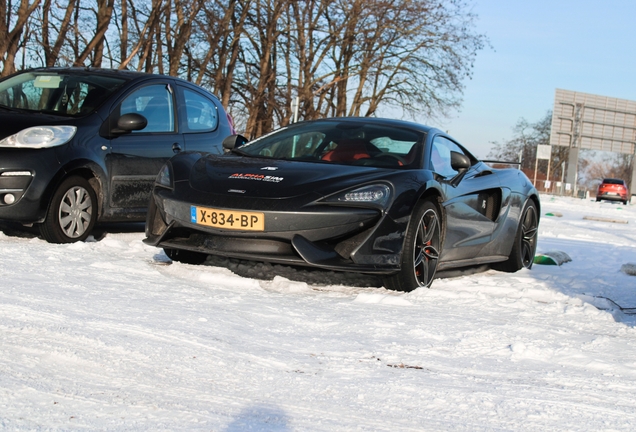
612	189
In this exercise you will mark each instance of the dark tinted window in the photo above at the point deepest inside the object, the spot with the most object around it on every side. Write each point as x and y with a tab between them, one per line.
349	143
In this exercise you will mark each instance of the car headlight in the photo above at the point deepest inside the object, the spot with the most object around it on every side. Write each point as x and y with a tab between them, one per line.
376	194
164	178
40	137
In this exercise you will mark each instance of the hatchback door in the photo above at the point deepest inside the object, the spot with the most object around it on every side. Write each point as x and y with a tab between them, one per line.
136	157
200	120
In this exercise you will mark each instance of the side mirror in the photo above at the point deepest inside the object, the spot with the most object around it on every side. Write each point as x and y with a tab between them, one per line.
130	122
460	163
233	141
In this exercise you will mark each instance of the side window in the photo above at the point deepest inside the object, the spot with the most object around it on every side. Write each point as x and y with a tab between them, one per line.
441	156
201	113
155	103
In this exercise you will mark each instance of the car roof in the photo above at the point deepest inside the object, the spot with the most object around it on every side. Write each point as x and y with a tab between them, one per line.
127	75
613	181
124	74
379	121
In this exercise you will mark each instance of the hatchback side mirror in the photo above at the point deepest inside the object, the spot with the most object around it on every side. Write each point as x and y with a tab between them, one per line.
233	141
130	122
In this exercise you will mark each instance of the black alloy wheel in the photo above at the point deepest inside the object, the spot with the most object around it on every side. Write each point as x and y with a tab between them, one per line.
422	246
525	245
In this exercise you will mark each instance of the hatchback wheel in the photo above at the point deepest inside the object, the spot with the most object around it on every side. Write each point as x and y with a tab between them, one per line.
72	212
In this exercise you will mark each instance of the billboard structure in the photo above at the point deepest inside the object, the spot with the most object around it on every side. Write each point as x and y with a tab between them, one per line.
586	121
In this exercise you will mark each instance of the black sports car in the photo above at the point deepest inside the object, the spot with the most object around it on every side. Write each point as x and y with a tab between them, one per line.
365	195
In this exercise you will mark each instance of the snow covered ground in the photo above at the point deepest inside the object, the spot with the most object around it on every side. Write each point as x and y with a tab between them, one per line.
107	335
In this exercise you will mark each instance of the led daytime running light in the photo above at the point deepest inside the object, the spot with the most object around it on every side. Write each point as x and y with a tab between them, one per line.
378	194
367	196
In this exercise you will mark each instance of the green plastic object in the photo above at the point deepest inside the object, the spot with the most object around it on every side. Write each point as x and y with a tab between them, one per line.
544	260
552	258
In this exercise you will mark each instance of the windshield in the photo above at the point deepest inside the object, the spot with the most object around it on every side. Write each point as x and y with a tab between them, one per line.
57	93
340	142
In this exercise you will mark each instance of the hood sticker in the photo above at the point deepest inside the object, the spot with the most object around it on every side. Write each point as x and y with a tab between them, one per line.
257	177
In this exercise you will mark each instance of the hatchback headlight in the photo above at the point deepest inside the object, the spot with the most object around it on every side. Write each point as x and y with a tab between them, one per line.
40	137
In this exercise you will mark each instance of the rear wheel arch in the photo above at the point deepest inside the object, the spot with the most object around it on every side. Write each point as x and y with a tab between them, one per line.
537	204
524	245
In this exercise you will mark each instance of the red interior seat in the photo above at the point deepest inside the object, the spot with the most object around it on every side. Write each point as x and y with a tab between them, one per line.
348	150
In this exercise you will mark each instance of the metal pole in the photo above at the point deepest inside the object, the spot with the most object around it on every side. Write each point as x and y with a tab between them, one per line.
296	106
562	178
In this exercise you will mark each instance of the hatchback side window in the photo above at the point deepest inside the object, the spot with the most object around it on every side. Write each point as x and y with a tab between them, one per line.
154	102
201	113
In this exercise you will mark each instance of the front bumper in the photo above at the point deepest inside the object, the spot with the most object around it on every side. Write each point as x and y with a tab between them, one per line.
25	175
331	237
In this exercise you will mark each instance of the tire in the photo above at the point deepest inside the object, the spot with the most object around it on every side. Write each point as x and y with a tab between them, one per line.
185	256
72	212
525	244
422	247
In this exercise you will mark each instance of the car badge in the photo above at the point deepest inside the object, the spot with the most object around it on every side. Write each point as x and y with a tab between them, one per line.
269	168
236	191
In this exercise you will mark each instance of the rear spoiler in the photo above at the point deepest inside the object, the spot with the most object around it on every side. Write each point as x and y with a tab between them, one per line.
501	162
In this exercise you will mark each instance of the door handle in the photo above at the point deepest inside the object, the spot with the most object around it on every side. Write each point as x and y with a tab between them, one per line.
176	148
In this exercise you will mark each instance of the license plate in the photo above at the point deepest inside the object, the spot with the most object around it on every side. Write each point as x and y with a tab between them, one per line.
227	219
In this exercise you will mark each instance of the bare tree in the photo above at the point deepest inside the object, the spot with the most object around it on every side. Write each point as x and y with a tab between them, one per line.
339	57
58	28
223	26
412	54
94	47
259	58
10	41
595	166
178	19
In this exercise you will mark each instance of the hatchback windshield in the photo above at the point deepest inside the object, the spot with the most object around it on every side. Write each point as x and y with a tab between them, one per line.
57	93
338	142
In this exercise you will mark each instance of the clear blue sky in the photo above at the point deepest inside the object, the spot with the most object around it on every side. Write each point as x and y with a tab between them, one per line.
538	46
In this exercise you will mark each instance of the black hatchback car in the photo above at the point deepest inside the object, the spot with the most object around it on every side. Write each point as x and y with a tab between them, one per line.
79	145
